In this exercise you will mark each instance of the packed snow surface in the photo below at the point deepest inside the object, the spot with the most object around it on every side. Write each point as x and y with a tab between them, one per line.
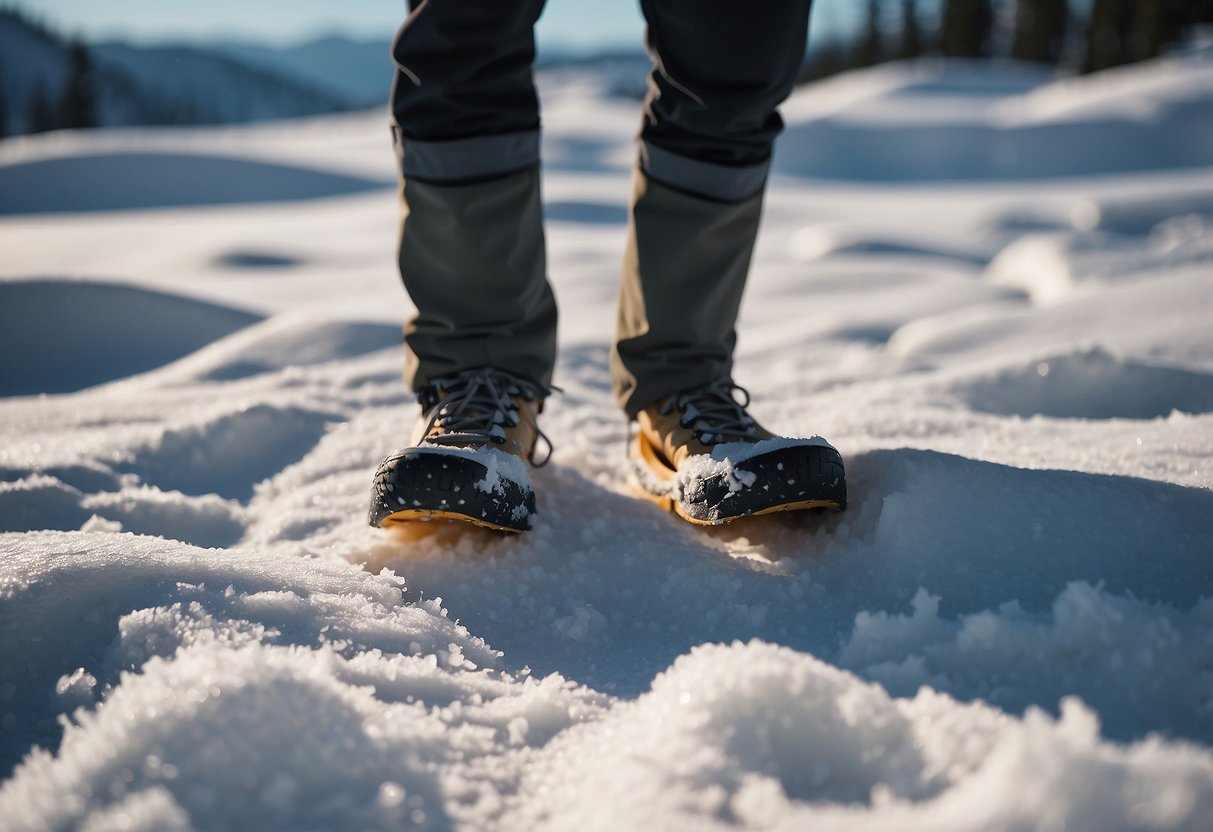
991	291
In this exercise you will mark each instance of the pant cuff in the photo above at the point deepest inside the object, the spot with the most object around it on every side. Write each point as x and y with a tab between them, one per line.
720	182
462	160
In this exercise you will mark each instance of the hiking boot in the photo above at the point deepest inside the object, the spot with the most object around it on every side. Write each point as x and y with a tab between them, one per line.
467	458
701	455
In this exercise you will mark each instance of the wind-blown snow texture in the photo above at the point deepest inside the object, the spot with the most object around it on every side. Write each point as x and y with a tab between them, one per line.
1010	628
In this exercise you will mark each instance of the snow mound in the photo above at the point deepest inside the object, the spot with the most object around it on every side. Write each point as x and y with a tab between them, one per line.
126	181
249	691
109	602
280	342
1090	384
1146	213
759	736
1164	315
1140	92
40	501
241	690
207	520
938	521
63	335
90	476
932	88
1089	639
1119	215
868	302
947	121
611	603
820	240
229	452
1053	267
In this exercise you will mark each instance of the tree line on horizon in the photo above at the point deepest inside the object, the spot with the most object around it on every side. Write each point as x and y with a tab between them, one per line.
76	104
73	105
48	82
1078	37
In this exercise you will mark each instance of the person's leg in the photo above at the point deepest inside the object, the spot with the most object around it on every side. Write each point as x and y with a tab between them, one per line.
471	247
720	71
481	347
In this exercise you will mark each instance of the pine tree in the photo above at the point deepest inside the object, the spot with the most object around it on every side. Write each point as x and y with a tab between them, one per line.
78	104
964	31
1108	34
868	51
1160	23
1040	30
1122	31
3	108
911	35
40	115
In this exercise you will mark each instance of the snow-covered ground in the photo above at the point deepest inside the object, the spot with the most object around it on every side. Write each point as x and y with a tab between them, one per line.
992	292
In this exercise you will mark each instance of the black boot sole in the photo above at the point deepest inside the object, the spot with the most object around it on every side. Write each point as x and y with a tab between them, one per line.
795	478
418	485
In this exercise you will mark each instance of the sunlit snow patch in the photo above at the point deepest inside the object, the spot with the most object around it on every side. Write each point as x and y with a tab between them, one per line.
239	690
758	736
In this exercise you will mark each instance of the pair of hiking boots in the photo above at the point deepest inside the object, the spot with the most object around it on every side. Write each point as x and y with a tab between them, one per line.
697	453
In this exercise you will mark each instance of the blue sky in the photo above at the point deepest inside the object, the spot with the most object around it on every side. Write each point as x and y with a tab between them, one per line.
567	24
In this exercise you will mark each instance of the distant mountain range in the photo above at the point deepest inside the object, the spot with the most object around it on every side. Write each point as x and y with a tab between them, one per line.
219	83
131	85
355	71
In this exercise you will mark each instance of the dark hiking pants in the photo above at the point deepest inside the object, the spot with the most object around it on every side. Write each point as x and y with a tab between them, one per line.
466	130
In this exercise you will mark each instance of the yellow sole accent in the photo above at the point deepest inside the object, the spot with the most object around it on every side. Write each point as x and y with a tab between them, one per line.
671	505
663	503
425	515
653	460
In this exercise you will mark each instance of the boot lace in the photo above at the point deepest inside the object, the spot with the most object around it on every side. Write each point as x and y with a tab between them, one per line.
714	412
475	407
